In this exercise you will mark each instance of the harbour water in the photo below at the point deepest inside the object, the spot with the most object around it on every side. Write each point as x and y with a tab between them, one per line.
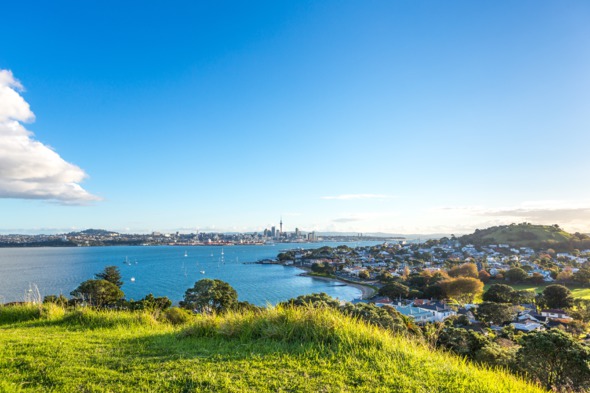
163	271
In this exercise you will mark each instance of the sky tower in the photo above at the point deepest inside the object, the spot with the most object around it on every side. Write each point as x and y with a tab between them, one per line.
281	226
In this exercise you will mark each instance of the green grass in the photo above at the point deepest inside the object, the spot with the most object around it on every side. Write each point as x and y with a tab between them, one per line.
276	350
581	293
577	291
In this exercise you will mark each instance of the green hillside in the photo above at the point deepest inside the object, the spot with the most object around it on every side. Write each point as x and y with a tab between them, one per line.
526	235
275	350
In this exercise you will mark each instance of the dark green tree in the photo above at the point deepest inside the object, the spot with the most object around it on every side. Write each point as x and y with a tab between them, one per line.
523	296
98	293
516	274
110	274
394	290
558	296
582	276
313	300
555	359
151	303
499	293
461	341
386	317
209	296
498	313
60	300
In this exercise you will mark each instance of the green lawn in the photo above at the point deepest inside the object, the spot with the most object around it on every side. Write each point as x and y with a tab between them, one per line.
277	350
577	291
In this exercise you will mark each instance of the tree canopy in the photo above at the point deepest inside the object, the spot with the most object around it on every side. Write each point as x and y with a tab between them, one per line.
555	359
209	295
464	270
497	313
394	290
499	293
516	274
462	289
98	292
558	296
111	274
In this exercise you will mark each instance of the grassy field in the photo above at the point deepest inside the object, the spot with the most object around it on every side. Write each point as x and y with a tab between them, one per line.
577	291
277	350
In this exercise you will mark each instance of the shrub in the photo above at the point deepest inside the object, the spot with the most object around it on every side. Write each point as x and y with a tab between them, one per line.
177	316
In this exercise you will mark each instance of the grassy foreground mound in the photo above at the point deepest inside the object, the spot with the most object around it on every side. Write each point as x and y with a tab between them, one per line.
275	350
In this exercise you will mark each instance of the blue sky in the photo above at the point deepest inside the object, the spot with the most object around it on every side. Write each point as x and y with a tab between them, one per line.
400	117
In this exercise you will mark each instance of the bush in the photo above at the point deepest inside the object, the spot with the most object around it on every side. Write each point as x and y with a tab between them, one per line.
18	313
177	316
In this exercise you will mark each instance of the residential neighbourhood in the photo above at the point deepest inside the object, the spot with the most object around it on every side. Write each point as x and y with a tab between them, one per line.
420	269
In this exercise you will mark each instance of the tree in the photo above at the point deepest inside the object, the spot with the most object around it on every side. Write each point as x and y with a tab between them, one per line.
558	296
111	274
151	303
498	313
314	300
386	317
484	276
565	275
464	270
582	276
516	274
463	289
523	296
555	359
461	341
433	292
394	290
60	300
499	293
209	295
364	274
98	292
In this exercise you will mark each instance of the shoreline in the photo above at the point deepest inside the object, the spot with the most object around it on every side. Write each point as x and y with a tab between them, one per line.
367	292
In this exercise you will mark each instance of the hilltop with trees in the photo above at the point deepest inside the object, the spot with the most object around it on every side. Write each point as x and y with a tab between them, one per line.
528	235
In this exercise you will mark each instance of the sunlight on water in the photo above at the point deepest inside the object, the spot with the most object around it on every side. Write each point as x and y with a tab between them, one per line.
163	271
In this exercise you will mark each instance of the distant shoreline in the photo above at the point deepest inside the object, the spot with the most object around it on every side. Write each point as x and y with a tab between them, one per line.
367	292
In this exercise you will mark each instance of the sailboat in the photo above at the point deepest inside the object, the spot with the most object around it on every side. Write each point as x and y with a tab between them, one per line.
186	254
127	262
202	272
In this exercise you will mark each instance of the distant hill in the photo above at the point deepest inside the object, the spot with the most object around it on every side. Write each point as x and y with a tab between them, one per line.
528	235
95	232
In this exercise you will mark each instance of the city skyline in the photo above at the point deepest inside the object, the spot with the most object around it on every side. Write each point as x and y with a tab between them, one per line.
401	118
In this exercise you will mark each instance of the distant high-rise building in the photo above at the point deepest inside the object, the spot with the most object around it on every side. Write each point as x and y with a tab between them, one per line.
273	232
297	232
281	230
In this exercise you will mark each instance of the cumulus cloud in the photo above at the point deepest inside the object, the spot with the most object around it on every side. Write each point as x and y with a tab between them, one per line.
28	168
347	197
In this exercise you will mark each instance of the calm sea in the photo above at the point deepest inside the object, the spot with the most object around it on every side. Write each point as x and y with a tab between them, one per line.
163	271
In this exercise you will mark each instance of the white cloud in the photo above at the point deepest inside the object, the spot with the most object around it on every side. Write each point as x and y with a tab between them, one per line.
347	197
28	168
573	215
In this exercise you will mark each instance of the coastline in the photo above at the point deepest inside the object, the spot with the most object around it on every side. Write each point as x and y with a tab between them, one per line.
367	292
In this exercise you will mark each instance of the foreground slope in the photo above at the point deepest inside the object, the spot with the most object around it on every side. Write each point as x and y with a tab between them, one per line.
295	350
